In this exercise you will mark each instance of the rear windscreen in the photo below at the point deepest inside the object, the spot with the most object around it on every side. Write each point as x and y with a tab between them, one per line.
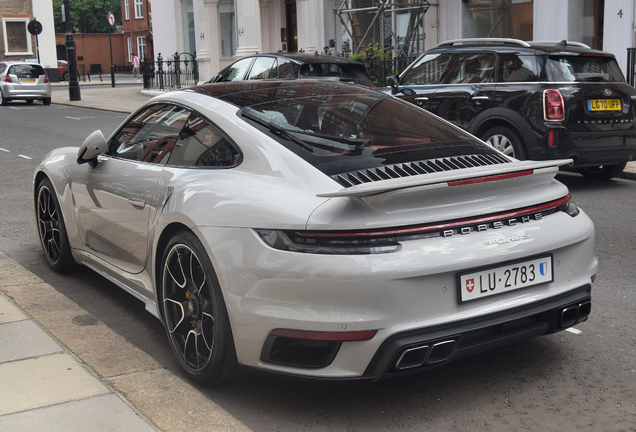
27	70
583	69
337	133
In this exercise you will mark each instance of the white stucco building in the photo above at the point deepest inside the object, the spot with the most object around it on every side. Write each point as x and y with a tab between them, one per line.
219	31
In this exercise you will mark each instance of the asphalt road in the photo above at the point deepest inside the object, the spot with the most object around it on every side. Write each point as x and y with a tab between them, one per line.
582	380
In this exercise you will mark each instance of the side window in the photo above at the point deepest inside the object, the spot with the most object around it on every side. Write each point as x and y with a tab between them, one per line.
287	69
428	70
471	69
264	67
236	71
203	144
516	68
151	135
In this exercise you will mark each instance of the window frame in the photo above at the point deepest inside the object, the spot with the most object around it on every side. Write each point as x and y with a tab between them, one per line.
141	47
139	9
130	57
25	20
127	9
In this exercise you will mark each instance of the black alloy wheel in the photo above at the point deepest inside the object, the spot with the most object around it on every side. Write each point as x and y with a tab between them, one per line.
52	230
194	312
506	140
602	172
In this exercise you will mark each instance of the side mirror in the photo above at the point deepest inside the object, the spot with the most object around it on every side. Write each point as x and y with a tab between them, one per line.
394	82
92	147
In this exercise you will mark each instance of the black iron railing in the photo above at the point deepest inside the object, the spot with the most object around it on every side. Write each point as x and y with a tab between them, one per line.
380	69
175	73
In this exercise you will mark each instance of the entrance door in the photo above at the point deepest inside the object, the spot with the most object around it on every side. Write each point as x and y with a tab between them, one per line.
292	27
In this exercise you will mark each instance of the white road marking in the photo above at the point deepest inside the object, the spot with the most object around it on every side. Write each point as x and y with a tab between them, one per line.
5	150
79	118
20	109
25	157
573	330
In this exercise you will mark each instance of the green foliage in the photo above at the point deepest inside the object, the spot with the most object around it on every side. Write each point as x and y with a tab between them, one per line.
88	16
375	60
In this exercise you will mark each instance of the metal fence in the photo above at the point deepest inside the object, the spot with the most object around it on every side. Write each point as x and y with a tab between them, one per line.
380	69
179	71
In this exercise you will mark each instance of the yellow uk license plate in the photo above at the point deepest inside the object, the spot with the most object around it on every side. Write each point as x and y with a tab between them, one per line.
604	105
28	80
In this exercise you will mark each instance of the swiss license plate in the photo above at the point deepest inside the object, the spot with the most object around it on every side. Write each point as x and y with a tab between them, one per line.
512	276
28	80
604	105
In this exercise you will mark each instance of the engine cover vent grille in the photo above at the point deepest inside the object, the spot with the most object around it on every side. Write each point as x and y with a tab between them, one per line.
387	172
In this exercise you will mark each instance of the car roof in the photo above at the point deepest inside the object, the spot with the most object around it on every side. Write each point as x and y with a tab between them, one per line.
246	93
516	45
308	58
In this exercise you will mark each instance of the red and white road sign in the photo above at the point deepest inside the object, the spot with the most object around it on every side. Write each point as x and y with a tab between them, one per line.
111	19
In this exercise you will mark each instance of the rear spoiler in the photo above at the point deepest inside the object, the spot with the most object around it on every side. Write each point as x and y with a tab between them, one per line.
447	178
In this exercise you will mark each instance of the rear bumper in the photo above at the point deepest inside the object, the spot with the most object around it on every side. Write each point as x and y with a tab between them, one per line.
585	148
29	93
417	350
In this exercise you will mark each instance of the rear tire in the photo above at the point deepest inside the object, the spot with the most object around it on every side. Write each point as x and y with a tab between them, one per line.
52	230
506	140
46	101
602	172
194	313
3	101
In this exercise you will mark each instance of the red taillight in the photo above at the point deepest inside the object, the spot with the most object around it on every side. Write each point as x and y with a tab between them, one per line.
553	107
46	79
7	78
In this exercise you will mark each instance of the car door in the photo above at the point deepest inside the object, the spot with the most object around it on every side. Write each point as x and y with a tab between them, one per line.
420	81
114	200
467	90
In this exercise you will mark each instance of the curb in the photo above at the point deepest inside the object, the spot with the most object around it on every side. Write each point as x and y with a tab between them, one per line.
139	380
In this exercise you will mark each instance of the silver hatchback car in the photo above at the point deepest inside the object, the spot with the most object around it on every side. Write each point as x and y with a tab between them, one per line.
24	81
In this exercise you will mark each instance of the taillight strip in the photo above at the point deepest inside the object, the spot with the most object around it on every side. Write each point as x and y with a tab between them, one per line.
325	336
425	229
491	178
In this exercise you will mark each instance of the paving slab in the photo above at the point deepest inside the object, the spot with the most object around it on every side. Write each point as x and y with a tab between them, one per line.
44	381
25	339
10	312
101	413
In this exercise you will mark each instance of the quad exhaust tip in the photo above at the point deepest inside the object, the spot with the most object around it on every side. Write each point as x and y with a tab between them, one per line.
426	354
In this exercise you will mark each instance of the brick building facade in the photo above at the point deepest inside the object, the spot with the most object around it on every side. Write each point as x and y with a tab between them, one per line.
137	28
17	43
93	51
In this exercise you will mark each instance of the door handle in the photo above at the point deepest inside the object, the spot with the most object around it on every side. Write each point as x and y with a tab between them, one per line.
480	98
421	98
140	204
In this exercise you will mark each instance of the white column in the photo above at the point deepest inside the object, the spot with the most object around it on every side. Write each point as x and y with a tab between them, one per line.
307	23
248	19
550	20
618	29
207	37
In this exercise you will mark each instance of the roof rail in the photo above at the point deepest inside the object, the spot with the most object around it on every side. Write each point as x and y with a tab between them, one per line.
562	42
478	41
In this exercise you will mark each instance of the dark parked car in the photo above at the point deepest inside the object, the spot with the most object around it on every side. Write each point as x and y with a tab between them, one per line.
295	66
531	100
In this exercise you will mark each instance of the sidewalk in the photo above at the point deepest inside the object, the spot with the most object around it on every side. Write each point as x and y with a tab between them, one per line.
56	378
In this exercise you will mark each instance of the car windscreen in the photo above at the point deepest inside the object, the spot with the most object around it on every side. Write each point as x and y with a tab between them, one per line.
583	69
338	133
26	70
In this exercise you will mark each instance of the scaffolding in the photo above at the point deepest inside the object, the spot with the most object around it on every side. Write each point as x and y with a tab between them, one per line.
390	24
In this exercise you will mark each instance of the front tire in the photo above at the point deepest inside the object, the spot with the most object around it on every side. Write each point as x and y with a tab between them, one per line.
602	172
52	230
194	312
506	140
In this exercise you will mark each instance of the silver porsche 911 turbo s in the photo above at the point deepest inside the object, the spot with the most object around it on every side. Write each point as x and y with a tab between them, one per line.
317	229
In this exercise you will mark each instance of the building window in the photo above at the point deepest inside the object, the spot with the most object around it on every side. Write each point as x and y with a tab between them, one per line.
498	18
127	9
139	8
141	47
130	54
228	28
17	40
